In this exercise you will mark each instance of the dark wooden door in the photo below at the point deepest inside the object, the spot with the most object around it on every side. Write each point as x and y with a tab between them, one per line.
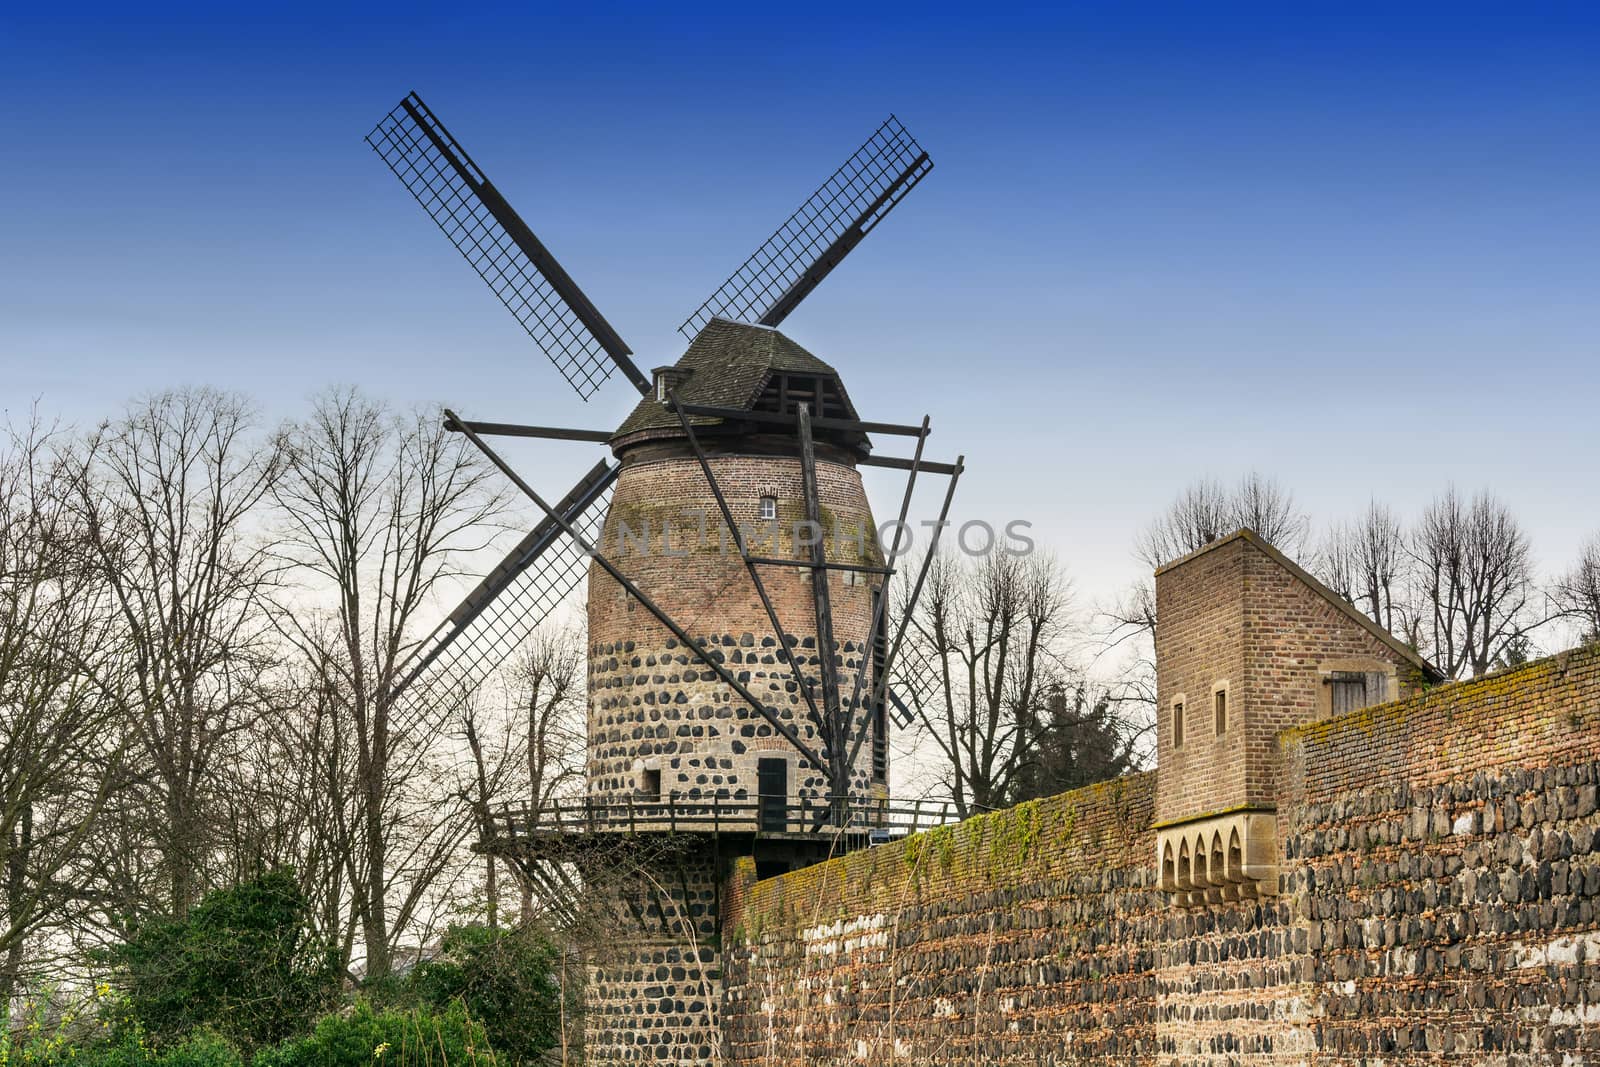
772	782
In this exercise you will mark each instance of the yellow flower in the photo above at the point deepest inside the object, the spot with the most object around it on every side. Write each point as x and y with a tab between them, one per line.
380	1050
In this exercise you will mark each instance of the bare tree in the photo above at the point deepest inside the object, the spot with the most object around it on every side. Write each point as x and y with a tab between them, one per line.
992	630
1206	511
1366	563
59	757
526	749
1474	576
1577	593
168	496
377	510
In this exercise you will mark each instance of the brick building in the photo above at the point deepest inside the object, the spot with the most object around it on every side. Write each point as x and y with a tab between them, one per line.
1248	646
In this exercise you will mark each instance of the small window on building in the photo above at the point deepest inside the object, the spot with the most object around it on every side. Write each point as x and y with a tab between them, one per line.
1220	701
1177	725
769	508
650	782
1354	690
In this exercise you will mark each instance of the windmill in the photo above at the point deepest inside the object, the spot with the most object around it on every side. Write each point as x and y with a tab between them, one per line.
745	409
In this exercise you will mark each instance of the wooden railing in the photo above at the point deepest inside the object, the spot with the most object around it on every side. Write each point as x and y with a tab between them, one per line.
697	813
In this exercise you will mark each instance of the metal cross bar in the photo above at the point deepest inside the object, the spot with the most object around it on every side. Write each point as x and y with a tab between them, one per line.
838	773
783	729
749	563
881	684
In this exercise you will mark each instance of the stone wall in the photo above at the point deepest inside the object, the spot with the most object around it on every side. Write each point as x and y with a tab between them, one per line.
1439	902
1018	932
654	981
1444	858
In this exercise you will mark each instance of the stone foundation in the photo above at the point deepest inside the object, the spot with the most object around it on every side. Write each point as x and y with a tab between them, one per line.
656	980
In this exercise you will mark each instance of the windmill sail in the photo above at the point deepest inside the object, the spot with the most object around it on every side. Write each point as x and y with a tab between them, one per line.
814	240
509	604
501	248
914	677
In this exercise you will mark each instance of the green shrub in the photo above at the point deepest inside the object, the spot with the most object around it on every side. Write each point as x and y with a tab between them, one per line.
369	1037
507	981
242	963
201	1048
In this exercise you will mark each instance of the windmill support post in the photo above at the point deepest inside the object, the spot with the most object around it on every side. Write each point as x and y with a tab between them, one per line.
880	684
838	769
880	609
783	729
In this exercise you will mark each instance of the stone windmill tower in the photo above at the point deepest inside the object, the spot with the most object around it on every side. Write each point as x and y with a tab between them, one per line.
741	646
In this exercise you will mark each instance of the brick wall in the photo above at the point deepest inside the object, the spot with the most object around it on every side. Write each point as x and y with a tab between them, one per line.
1238	614
1439	903
1199	642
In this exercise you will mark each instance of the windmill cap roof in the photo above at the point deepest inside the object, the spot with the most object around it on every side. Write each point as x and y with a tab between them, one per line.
727	365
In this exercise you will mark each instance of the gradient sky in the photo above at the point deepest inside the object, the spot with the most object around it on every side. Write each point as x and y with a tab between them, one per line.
1357	252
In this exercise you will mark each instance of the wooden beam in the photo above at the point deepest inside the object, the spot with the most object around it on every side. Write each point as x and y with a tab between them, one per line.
773	417
511	429
898	464
837	735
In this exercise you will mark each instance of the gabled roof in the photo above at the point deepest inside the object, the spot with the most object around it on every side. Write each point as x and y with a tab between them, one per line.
727	365
1354	613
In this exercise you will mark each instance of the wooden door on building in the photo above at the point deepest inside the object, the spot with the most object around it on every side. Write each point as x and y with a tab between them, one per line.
772	783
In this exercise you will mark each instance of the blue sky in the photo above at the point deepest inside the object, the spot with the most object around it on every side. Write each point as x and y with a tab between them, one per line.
1355	251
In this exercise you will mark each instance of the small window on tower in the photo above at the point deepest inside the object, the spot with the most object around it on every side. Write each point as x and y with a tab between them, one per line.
769	508
650	782
1220	699
1177	724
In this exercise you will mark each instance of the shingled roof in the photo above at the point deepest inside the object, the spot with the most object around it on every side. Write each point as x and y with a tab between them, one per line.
727	365
1349	610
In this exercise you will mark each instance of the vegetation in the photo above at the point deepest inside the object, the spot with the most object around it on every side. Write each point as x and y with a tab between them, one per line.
242	964
241	979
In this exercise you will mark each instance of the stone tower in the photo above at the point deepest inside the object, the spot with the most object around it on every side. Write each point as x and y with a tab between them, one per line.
1247	645
668	739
